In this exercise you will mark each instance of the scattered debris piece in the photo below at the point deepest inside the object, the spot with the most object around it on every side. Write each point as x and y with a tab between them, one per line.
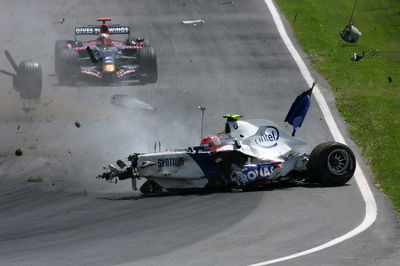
193	22
227	3
390	79
295	17
350	34
18	152
35	178
60	21
27	109
77	124
357	57
130	102
27	80
236	190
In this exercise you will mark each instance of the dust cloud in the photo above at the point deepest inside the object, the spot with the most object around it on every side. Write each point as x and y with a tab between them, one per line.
66	156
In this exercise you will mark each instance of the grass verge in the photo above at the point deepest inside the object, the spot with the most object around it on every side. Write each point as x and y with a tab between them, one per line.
367	92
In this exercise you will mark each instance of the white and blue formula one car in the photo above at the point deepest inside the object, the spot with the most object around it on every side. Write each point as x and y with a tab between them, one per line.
247	154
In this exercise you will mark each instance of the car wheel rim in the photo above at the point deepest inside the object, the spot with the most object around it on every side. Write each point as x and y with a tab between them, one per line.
338	162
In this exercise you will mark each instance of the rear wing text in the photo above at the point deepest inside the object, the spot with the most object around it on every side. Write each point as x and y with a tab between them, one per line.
95	30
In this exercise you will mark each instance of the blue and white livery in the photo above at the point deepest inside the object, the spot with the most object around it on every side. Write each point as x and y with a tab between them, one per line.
249	153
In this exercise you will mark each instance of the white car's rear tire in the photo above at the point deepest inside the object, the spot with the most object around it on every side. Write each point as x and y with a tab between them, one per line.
331	164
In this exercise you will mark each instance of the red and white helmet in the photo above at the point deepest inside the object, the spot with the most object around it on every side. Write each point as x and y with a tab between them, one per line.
211	142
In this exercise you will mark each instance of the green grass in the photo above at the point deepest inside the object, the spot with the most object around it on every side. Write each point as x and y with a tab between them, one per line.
369	103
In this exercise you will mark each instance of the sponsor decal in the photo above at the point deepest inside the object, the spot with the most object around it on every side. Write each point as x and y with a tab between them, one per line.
119	30
252	174
96	30
170	162
87	30
270	137
95	73
108	60
121	73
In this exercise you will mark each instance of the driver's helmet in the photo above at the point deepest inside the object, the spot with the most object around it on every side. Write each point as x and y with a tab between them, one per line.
211	142
104	40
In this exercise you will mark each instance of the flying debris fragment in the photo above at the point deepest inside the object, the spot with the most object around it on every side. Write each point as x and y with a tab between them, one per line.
128	102
27	107
59	21
34	179
27	79
77	124
227	3
357	57
299	109
193	22
350	33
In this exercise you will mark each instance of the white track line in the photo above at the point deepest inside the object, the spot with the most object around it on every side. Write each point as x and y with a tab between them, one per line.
370	204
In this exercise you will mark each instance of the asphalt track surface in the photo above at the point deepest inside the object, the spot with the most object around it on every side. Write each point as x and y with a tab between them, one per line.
233	63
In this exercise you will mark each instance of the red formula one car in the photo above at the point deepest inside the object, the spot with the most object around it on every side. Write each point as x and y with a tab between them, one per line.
104	59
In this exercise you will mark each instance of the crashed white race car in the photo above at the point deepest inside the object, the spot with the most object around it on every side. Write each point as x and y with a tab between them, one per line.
249	153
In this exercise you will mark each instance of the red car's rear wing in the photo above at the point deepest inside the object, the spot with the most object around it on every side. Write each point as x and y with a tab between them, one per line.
103	19
95	30
103	28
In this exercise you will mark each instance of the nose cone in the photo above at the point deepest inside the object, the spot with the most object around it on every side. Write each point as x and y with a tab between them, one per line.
109	68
